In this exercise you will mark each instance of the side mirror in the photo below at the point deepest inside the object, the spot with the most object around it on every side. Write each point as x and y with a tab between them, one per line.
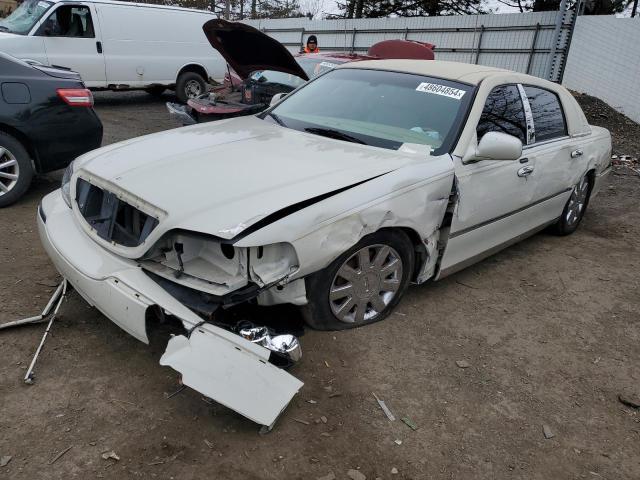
276	98
495	146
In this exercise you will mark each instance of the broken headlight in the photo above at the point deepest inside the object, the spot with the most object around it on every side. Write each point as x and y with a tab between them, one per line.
65	187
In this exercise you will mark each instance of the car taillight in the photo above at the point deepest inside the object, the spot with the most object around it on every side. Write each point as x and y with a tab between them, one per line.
76	97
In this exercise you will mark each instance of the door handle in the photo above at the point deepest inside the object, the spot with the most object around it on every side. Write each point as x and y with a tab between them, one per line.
99	47
525	171
576	153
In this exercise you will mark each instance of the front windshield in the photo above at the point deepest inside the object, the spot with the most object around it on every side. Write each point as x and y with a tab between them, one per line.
379	108
23	18
311	66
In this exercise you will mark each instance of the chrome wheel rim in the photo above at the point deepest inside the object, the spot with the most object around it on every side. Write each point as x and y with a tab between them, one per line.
577	201
365	284
9	171
193	88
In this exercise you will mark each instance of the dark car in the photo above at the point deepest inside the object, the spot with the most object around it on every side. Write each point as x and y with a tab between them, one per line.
257	74
46	120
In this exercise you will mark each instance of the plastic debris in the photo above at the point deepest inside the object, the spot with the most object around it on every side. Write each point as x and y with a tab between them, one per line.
546	431
409	423
384	408
4	461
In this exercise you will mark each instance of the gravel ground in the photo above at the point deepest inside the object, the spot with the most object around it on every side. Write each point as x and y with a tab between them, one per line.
549	328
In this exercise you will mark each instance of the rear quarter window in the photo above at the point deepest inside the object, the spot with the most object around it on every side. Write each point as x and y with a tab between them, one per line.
548	117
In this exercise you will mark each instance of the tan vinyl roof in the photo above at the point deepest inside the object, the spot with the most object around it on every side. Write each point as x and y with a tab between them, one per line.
464	72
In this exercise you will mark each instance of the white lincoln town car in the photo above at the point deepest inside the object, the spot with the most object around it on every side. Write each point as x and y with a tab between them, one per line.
373	176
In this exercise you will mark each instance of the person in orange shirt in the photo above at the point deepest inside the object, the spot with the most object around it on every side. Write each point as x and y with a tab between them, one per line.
312	45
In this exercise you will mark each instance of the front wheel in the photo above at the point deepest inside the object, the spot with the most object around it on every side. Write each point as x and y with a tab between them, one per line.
574	209
363	285
189	85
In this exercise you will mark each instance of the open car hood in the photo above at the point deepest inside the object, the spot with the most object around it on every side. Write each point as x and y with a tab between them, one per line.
247	49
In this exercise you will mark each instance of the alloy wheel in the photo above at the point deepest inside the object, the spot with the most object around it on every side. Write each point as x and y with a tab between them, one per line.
365	284
577	201
9	171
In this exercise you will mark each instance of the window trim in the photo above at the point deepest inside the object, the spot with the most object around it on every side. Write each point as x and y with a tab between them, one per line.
525	99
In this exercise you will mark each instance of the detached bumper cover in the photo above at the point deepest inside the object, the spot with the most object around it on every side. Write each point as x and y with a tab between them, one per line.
213	361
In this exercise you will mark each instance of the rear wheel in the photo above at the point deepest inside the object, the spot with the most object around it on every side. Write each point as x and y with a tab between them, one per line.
16	171
189	85
574	209
363	285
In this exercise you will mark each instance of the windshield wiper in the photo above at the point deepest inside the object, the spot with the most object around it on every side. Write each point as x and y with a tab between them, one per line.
276	118
4	29
336	134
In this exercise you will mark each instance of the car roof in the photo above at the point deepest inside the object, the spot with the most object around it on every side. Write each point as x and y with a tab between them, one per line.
464	72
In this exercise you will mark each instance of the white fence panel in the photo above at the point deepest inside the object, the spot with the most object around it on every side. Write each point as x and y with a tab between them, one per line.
604	61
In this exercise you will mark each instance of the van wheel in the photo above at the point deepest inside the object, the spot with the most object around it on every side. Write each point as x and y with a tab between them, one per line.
189	85
156	90
16	171
361	286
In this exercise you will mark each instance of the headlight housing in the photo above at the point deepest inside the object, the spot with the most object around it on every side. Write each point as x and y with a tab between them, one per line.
65	187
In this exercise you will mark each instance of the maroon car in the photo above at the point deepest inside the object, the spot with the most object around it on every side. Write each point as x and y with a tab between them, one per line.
257	74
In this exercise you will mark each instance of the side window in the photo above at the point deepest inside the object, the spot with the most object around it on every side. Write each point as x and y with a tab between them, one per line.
548	118
503	112
68	21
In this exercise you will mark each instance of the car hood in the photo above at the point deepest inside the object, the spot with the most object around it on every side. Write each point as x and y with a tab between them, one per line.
222	178
247	49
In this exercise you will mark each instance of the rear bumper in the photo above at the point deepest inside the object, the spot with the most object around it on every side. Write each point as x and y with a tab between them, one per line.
58	145
600	180
216	362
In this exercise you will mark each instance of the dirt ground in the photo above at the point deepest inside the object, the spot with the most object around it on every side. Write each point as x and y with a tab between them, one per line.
550	328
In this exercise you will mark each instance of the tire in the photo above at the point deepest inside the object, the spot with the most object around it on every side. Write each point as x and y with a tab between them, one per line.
156	90
189	85
575	208
16	170
366	301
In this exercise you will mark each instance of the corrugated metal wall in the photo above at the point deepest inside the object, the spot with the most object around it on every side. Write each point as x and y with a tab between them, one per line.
524	42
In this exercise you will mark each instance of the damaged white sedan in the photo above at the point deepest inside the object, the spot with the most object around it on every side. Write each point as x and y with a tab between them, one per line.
370	177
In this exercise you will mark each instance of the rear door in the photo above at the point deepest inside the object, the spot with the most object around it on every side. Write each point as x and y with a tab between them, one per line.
71	38
493	194
559	159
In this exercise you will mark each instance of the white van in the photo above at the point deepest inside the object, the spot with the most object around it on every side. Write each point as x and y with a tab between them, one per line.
116	45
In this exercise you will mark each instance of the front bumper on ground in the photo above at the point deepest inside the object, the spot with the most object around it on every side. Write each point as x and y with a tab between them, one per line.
214	361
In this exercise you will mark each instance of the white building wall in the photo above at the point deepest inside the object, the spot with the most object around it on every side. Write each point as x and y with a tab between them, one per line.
604	61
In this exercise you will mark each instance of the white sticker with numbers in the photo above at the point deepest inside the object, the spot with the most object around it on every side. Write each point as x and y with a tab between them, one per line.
443	90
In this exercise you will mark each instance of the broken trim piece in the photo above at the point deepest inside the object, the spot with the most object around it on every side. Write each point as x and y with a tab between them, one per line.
237	379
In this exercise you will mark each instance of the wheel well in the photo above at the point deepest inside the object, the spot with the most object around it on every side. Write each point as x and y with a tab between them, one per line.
199	69
419	250
21	137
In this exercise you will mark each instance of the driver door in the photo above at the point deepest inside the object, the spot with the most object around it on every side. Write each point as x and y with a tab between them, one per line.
71	39
493	194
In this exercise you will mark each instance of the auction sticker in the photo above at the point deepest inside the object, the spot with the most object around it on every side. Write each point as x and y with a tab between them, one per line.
443	90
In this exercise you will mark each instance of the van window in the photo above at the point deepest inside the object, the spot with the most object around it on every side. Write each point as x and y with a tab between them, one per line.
548	118
68	21
23	18
503	112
